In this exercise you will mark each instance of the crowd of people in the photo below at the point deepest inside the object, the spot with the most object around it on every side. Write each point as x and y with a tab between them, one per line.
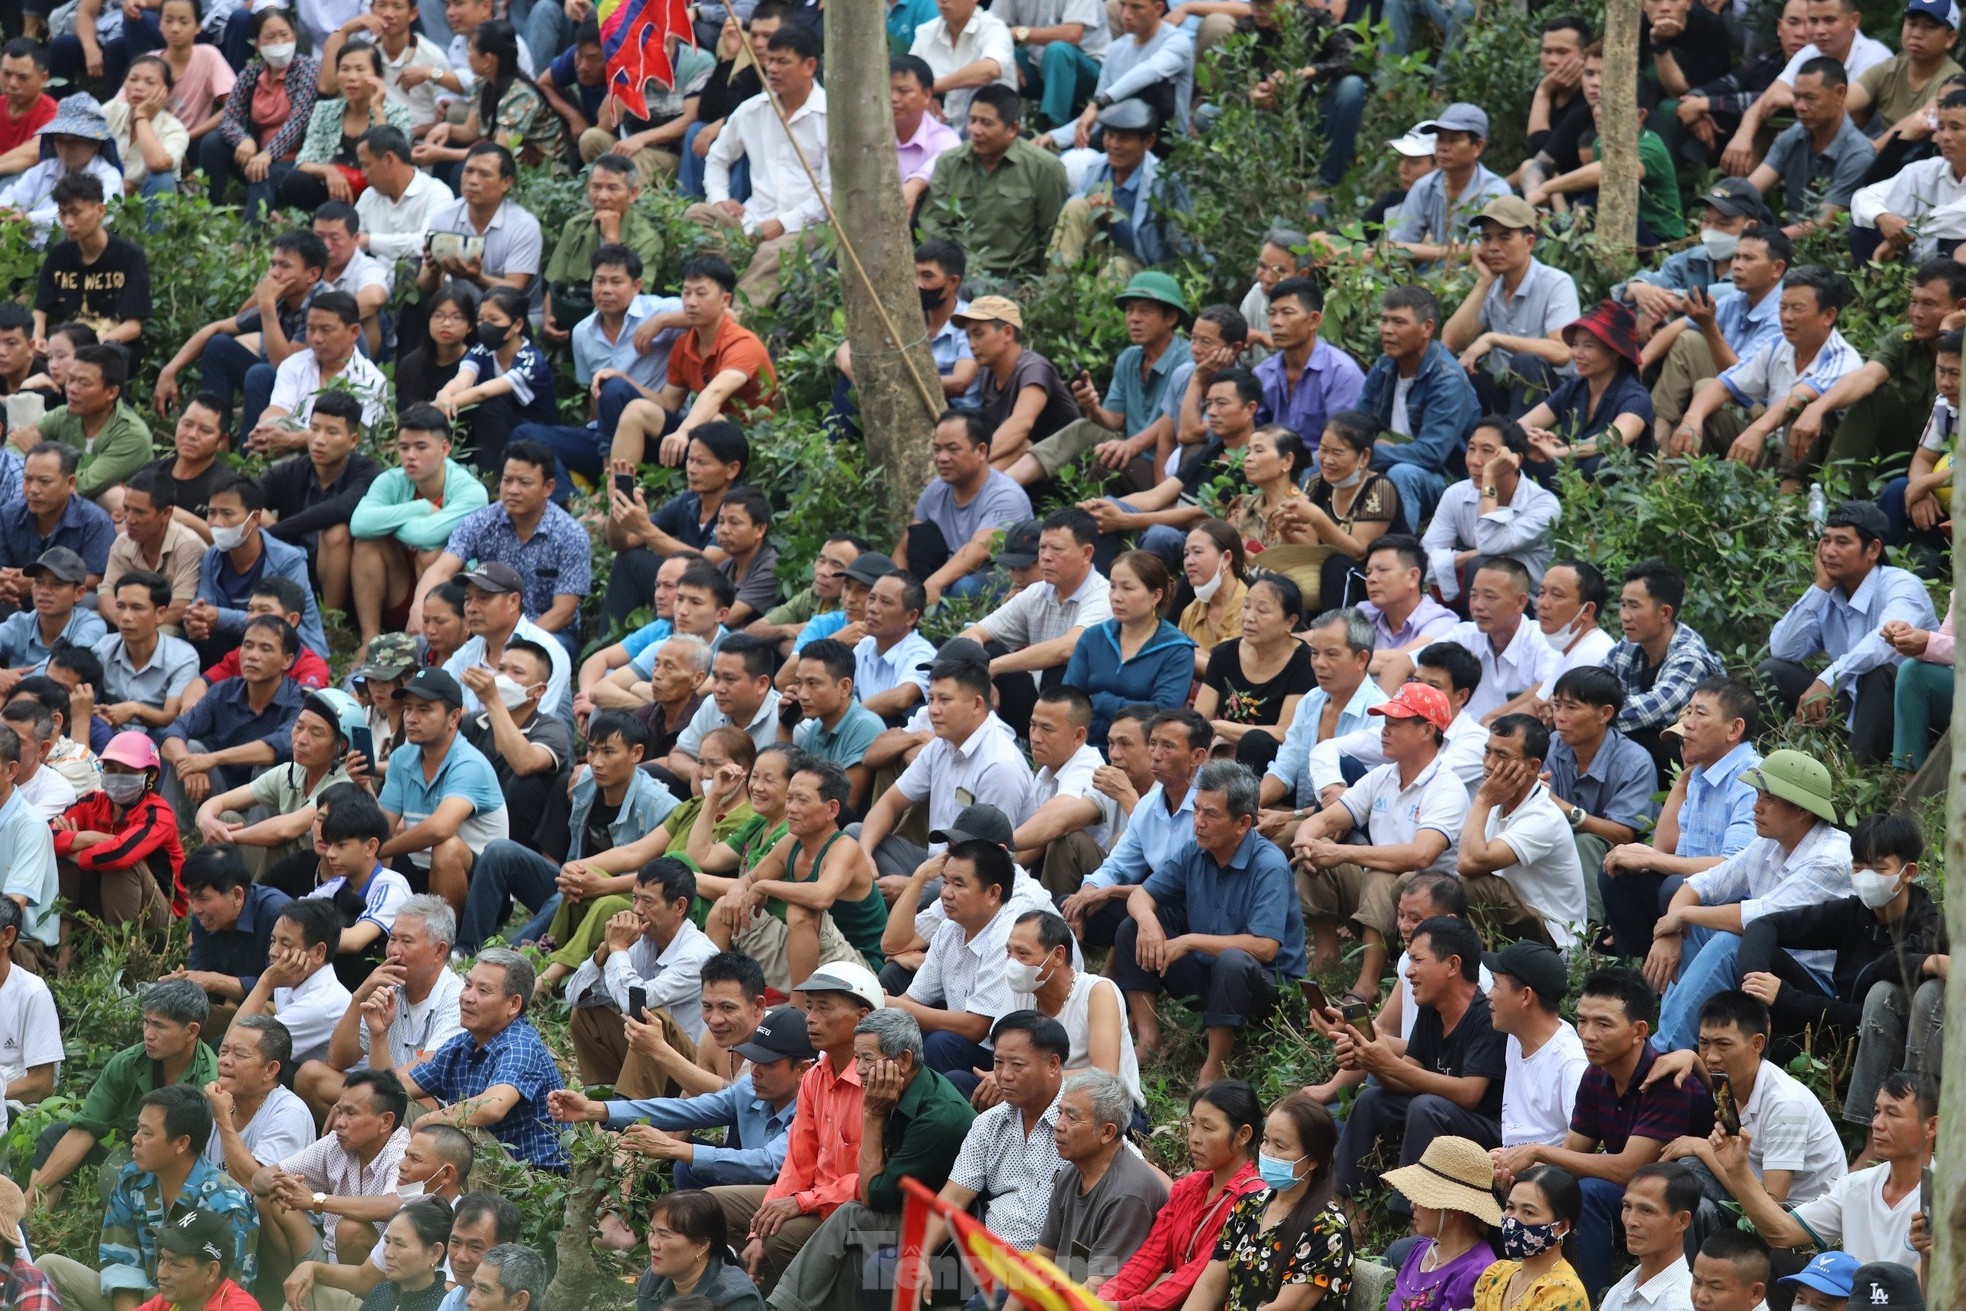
1314	698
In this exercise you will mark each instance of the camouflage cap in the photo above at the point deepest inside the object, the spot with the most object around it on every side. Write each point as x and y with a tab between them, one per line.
390	656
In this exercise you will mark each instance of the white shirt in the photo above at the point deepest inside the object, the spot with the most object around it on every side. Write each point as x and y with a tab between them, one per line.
395	227
362	271
1547	874
558	699
48	793
1770	374
1925	194
1075	1016
1393	816
420	1028
420	100
1538	1094
1589	651
30	1029
1074	779
1467	743
1026	894
280	1127
876	672
986	767
1669	1290
985	36
311	1011
1764	879
1523	664
961	973
671	977
1790	1130
1852	1217
297	382
1523	530
1866	53
780	188
1401	423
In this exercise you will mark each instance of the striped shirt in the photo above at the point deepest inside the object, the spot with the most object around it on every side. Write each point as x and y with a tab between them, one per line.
1770	374
327	1167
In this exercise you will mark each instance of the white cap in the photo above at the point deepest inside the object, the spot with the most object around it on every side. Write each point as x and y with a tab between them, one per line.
1414	145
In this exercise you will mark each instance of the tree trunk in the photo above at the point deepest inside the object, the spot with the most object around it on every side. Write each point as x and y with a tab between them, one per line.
577	1282
1617	141
1947	1276
894	380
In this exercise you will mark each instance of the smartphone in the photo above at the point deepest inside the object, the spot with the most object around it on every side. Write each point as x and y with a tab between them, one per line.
1726	1112
1925	1196
1315	995
1359	1016
362	741
625	484
638	1002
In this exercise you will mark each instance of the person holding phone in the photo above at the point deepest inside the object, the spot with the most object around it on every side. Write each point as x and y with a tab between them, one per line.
1717	327
279	849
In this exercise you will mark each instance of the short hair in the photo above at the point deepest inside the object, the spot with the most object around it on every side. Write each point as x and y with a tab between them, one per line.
754	653
109	358
1228	321
1735	698
1196	729
696	1215
1106	1094
1249	390
520	1270
746	498
914	596
11	917
1738	1248
1747	1013
614	255
1910	1084
387	140
69	457
727	442
301	243
84	187
710	268
975	430
992	863
537	454
340	211
14	316
1044	1033
79	661
385	1090
179	1001
894	1030
1949	341
1235	782
283	632
617	164
1009	106
339	404
1570	23
251	496
1461	666
274	1039
1052	930
1683	1189
317	919
705	576
1411	554
1591	587
1949	271
831	654
620	724
1535	734
1514	438
735	967
291	596
434	913
508	167
518	972
1445	892
423	417
353	816
1663	582
675	880
1830	70
1593	685
1289	596
1449	935
799	39
969	675
1423	303
1079	523
1780	248
1513	569
1141	712
31	715
1077	704
916	67
211	867
1305	291
1294	240
939	251
451	1144
1359	637
186	1113
340	304
1627	987
834	785
1878	836
1831	289
22	47
158	485
507	1220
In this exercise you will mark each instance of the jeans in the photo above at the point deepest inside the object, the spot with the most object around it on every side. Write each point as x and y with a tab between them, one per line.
435	26
228	369
584	450
1921	703
689	174
1342	110
956	1058
1898	1033
1401	13
1419	491
139	37
544	26
1709	964
1597	1233
215	157
503	871
1892	501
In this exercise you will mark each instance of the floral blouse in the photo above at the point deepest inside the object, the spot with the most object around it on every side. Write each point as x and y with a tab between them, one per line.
1249	517
325	142
1558	1290
1323	1258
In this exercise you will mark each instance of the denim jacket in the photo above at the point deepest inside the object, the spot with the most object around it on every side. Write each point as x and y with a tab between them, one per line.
1441	406
647	804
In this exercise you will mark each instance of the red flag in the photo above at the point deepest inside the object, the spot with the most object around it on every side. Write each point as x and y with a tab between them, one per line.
634	37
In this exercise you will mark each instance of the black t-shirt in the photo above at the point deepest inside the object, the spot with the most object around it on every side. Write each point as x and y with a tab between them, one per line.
1473	1050
1567	129
600	822
1703	51
1241	701
103	294
1031	370
192	493
419	377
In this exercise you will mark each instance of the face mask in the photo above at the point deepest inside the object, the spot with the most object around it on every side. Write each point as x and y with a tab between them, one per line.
277	55
1521	1241
1720	246
123	789
1277	1173
491	336
228	539
409	1192
509	692
932	299
1357	477
1205	592
1561	639
1874	887
1024	978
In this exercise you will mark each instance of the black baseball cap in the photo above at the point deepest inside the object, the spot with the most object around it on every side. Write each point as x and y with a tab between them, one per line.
1886	1286
1020	545
978	822
782	1034
495	577
433	685
200	1235
870	567
61	563
1533	966
966	649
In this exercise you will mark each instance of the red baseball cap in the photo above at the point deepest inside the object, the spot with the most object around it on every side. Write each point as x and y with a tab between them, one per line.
1418	701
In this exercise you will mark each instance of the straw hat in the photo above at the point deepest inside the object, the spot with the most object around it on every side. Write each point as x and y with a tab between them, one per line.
1453	1174
13	1206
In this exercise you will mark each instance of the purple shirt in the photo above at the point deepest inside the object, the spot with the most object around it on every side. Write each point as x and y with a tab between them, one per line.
1331	381
1429	619
919	152
1446	1288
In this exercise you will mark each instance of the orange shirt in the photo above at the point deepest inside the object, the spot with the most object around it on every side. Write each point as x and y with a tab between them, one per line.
822	1160
734	347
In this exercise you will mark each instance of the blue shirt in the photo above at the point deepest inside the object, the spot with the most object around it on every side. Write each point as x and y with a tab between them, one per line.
557	560
20	637
592	351
1745	325
1575	422
950	345
1845	626
755	1143
1140	399
1331	381
1717	817
568	82
1152	838
531	376
1618	786
653	633
227	590
516	1057
225	718
643	661
1426	218
819	626
83	528
240	951
1291	765
845	745
1255	893
464	773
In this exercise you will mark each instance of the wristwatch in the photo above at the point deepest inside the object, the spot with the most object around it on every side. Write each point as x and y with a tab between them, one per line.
320	1200
1577	816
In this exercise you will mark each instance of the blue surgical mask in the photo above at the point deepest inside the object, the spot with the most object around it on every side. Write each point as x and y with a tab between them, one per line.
1521	1241
1277	1172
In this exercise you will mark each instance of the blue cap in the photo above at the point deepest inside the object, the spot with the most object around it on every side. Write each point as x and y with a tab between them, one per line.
1939	11
1831	1272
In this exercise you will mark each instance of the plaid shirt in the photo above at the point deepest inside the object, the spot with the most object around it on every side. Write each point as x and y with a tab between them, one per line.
1687	662
1661	1113
127	1250
1764	879
517	1057
24	1288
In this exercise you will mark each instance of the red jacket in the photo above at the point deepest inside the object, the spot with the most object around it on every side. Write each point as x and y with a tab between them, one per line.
150	828
309	670
1180	1245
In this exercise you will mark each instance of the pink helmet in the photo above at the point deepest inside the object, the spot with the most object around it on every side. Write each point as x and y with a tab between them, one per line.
133	749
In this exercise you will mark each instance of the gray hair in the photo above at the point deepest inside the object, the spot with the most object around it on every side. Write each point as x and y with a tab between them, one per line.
1289	239
1107	1096
178	1000
439	920
520	1270
1358	629
1234	781
9	745
518	972
11	915
276	1042
897	1032
693	648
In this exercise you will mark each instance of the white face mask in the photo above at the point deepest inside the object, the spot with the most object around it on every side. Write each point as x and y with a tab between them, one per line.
409	1192
1205	592
1024	978
1720	246
228	539
509	692
1561	639
1353	479
278	54
1874	888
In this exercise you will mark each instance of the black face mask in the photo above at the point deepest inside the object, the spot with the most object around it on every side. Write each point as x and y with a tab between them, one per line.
491	336
932	298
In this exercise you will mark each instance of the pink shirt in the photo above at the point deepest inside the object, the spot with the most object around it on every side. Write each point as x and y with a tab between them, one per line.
207	80
1938	649
919	152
